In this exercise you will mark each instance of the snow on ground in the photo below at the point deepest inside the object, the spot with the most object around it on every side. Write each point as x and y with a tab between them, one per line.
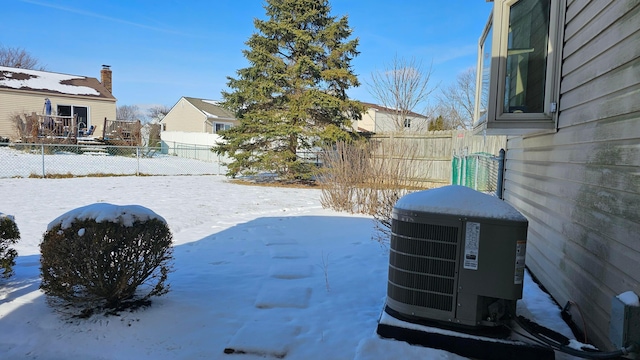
261	269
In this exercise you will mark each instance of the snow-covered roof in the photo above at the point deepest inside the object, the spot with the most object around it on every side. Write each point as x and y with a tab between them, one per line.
459	200
389	110
50	82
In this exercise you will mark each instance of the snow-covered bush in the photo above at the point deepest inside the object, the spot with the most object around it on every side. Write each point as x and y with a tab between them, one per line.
9	235
104	256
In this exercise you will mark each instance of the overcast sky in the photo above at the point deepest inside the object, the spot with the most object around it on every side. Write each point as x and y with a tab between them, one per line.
160	50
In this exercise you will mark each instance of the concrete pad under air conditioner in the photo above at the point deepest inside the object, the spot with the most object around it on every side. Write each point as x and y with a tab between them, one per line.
471	345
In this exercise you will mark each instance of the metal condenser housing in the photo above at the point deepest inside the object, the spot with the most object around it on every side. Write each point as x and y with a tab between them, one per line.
456	256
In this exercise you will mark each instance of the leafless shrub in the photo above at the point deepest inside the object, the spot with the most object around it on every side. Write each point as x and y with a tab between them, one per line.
369	178
25	126
344	172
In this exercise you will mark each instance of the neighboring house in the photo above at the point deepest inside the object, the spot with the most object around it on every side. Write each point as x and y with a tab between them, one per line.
23	92
198	116
191	128
379	119
562	79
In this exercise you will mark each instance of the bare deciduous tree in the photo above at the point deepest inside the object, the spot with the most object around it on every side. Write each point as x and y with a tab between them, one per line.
19	58
402	86
128	112
456	102
157	113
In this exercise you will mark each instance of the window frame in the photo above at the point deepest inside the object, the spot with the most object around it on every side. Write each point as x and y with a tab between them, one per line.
496	121
225	126
72	109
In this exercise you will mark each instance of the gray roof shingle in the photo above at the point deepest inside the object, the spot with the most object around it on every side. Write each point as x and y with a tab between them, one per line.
209	108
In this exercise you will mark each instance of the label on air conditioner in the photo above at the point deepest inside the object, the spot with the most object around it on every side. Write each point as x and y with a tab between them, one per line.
521	248
471	246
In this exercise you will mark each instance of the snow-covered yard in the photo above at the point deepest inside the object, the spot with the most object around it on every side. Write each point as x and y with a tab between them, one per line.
64	159
262	269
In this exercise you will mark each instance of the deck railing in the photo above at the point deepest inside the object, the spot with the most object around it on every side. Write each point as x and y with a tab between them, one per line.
49	128
122	132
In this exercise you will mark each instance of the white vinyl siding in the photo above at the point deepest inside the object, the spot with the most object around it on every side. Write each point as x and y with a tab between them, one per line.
580	188
185	117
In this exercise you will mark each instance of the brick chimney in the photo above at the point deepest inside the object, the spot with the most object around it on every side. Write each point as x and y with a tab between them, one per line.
105	77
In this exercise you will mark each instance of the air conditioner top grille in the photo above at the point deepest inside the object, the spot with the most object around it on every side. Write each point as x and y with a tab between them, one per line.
461	201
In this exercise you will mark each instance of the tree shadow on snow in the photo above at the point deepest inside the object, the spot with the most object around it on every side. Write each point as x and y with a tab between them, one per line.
25	280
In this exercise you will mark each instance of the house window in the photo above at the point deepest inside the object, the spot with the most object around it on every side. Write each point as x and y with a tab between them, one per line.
81	113
519	61
220	127
407	123
484	75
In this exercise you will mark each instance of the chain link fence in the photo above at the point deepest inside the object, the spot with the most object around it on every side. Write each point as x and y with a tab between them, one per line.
49	160
479	171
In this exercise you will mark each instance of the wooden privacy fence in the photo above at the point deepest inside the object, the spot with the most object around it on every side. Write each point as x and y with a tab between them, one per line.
430	155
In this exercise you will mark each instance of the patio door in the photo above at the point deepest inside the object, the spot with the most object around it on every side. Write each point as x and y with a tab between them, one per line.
81	113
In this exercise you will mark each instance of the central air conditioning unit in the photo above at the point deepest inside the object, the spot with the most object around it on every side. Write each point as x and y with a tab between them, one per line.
456	256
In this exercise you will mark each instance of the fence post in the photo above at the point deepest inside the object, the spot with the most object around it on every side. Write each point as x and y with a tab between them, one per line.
138	160
500	173
477	169
463	172
42	151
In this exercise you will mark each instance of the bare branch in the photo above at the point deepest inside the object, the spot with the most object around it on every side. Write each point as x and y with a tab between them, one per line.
157	112
19	58
402	86
128	112
456	102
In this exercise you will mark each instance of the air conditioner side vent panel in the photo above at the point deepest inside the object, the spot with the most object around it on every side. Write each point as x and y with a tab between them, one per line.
423	266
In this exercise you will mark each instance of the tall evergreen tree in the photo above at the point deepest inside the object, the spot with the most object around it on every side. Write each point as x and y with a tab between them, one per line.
292	96
437	124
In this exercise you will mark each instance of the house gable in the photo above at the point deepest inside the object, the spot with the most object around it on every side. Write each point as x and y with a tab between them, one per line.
210	108
379	119
197	115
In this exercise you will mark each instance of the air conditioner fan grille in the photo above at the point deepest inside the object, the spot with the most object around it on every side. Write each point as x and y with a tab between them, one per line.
422	299
422	263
